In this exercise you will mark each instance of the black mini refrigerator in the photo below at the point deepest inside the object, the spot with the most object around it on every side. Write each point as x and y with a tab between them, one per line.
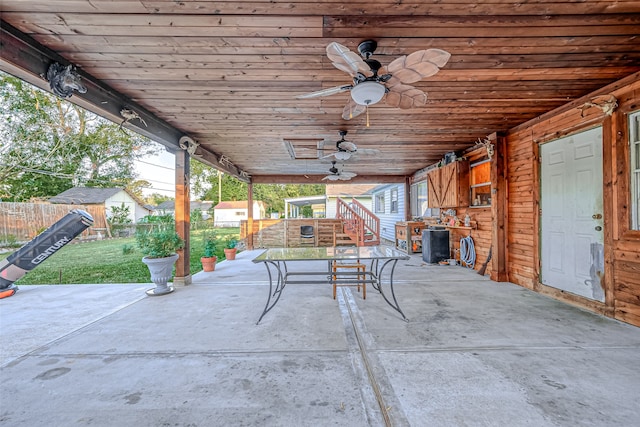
435	244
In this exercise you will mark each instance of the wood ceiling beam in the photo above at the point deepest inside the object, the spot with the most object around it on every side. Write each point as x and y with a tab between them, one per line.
318	179
27	59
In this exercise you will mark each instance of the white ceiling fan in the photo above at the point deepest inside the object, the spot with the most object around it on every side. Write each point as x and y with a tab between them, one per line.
345	149
336	174
372	81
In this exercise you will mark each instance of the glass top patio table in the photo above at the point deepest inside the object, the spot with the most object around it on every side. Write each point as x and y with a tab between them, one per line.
331	253
379	256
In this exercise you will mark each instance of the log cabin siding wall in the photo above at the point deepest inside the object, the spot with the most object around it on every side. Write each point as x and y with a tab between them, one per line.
622	246
522	208
481	216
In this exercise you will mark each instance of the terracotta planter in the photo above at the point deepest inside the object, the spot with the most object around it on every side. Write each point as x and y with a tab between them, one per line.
230	254
161	270
208	263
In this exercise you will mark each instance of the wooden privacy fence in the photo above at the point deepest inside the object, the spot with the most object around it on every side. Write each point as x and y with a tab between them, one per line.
24	221
277	233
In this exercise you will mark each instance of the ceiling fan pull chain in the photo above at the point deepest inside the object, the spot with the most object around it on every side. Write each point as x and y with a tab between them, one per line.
367	107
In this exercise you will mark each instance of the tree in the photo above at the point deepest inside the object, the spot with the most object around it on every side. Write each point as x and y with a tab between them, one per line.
205	184
156	198
50	145
135	187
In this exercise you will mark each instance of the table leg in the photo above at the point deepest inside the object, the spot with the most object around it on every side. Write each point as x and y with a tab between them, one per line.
379	273
274	292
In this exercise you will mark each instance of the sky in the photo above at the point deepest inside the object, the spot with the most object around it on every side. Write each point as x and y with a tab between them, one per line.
159	170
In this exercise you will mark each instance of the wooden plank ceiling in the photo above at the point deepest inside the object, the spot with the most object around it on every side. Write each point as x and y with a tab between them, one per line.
227	73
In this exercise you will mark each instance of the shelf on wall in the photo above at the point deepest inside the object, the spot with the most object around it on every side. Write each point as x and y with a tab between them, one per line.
474	226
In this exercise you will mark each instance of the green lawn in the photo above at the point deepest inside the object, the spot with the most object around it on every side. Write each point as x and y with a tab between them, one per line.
105	261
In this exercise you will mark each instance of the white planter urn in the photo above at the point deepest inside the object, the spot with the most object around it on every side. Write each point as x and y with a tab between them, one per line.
161	270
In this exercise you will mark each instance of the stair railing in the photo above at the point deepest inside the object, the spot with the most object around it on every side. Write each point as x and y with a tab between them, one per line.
359	222
371	223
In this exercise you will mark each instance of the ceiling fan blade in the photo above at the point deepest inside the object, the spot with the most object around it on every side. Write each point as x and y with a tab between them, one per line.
418	65
331	177
347	146
325	92
346	176
347	61
405	96
327	155
352	109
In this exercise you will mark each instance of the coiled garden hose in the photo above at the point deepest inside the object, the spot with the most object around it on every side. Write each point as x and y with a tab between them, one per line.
467	251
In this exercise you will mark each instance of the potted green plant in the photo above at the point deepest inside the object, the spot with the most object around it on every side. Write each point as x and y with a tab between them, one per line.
230	249
209	258
159	245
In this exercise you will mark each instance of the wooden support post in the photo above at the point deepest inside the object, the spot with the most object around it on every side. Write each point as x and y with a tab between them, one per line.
250	216
407	199
183	217
499	209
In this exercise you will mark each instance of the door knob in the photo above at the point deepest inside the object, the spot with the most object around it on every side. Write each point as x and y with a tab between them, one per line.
596	216
598	228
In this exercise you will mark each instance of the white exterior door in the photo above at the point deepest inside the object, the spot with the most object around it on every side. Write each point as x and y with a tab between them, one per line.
571	246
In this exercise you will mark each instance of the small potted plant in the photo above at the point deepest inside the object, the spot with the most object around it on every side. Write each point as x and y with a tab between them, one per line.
159	246
230	249
209	258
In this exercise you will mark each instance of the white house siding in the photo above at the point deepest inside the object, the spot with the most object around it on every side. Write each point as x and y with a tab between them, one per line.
135	210
332	204
231	217
387	219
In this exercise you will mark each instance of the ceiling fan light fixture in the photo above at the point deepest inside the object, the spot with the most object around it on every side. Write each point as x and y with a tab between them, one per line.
342	155
367	93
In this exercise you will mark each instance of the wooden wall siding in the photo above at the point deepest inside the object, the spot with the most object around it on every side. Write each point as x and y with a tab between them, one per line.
624	251
481	215
24	221
522	209
278	233
622	246
481	236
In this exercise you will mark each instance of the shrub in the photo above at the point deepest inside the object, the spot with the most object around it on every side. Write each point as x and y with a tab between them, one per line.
159	242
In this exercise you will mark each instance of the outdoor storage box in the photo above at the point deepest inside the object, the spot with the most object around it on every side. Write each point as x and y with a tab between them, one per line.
435	244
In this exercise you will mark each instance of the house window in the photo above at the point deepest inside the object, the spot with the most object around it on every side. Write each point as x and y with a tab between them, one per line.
394	200
480	181
380	203
634	145
419	201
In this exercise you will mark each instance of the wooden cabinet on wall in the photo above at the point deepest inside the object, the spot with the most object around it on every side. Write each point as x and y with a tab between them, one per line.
448	185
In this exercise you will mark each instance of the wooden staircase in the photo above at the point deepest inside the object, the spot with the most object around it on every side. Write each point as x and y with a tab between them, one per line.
360	227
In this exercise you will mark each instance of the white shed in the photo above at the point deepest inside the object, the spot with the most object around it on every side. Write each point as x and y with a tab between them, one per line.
109	197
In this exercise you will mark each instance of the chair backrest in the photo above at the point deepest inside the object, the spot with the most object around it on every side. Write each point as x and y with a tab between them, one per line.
306	231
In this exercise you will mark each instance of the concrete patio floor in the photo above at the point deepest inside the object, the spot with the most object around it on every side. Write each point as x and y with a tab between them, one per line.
473	353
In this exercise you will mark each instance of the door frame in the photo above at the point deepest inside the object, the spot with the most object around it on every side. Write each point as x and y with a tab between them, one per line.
606	307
